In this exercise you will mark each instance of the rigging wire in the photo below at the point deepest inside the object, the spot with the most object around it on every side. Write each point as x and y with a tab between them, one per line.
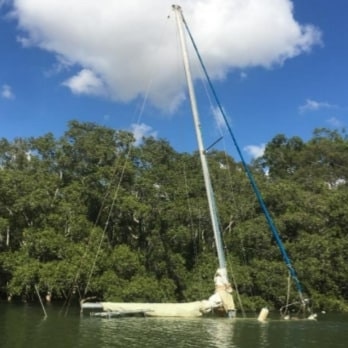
236	289
140	114
231	272
284	312
115	195
194	235
74	286
105	226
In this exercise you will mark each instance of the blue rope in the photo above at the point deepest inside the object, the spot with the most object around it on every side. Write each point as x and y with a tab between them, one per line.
250	176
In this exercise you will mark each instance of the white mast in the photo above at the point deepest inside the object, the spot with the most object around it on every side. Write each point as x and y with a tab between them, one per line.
222	296
207	181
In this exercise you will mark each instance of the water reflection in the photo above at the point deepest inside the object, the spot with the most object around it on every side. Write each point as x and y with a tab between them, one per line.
23	326
220	331
210	333
153	332
264	342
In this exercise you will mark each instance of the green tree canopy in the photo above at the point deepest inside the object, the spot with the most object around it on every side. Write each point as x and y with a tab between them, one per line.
91	214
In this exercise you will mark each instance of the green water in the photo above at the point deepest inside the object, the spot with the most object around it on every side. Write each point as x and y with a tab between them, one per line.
24	326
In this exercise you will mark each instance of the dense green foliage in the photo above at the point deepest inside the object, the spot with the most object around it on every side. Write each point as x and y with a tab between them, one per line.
89	214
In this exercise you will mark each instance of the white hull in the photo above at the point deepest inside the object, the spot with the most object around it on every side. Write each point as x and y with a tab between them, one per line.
188	309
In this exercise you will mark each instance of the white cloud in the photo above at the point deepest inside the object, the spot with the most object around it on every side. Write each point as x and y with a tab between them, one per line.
219	119
312	105
120	45
6	92
61	65
335	122
141	130
86	82
255	151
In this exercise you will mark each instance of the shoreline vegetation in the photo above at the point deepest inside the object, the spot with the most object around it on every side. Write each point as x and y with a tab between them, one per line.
91	215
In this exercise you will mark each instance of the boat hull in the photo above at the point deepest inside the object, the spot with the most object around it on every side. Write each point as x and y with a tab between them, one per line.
187	309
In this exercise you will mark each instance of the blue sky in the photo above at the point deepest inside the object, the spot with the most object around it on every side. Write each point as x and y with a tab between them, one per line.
275	70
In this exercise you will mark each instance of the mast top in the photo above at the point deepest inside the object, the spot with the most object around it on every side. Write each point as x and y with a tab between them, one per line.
176	7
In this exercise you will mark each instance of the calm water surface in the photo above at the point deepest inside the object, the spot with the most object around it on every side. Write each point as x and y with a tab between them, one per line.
24	326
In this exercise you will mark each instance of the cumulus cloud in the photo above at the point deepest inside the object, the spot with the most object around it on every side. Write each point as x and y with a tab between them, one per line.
313	105
255	151
120	45
141	130
86	82
6	92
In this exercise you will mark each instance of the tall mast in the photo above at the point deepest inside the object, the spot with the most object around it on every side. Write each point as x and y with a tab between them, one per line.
211	200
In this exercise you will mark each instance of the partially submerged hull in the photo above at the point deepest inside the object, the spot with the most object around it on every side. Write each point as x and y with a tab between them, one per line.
188	309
